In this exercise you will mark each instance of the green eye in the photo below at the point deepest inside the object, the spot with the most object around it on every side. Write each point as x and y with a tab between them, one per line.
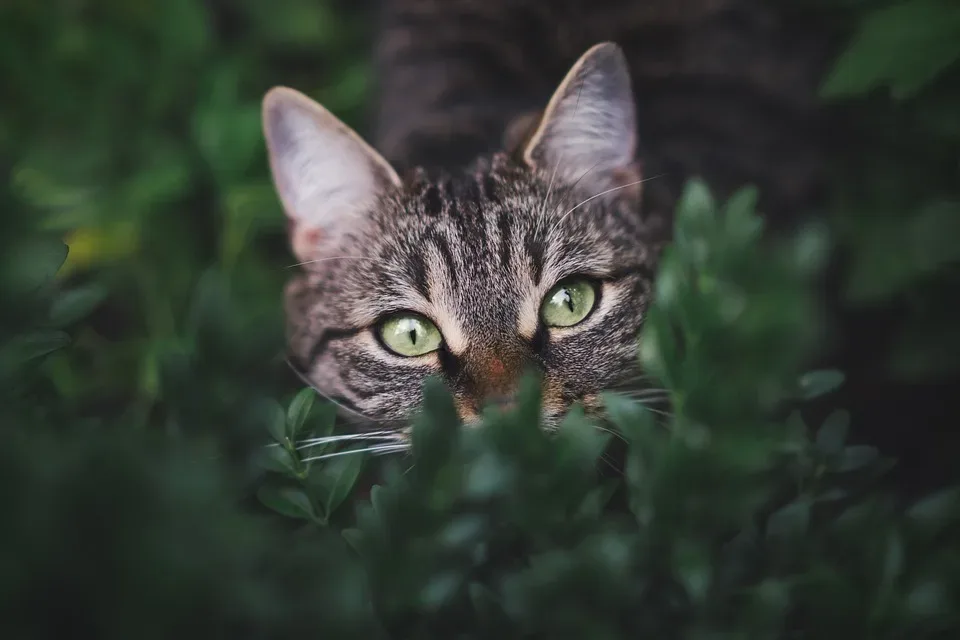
410	335
568	303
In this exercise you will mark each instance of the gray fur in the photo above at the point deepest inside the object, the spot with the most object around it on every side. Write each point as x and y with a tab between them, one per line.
476	251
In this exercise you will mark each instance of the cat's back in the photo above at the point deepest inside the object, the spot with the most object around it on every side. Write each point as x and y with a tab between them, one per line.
725	89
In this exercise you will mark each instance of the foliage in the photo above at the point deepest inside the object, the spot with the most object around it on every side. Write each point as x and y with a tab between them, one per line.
153	478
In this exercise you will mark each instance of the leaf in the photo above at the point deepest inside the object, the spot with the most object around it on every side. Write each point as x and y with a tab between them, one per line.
278	460
30	265
273	416
354	538
22	349
903	46
341	474
815	384
936	511
76	304
833	433
288	501
298	411
434	429
790	521
856	457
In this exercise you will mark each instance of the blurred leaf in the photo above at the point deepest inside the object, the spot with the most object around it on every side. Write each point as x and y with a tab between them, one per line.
815	384
287	501
832	434
339	475
25	348
29	265
857	457
904	45
75	304
790	521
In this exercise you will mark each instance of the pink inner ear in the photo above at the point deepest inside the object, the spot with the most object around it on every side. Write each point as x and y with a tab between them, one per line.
305	242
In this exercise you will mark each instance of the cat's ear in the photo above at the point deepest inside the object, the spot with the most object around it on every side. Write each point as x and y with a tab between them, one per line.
588	132
327	177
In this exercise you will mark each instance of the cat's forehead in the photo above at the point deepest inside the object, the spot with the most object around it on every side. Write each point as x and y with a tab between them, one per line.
480	248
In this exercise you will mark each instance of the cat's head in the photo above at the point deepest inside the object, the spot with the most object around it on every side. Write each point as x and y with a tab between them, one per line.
539	263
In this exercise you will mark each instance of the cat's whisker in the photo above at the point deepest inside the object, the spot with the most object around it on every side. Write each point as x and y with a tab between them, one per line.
615	434
378	450
315	442
319	442
601	194
306	262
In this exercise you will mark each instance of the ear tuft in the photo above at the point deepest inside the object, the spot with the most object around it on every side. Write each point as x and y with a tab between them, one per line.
588	133
327	177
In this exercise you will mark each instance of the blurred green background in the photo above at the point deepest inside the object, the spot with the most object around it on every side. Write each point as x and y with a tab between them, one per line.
132	130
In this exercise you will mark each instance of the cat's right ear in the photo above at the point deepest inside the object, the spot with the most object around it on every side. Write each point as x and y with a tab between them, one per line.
588	132
327	177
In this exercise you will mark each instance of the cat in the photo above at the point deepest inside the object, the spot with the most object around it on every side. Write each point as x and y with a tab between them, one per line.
525	230
480	275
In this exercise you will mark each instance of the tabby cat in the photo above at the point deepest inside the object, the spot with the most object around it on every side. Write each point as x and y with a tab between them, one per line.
523	234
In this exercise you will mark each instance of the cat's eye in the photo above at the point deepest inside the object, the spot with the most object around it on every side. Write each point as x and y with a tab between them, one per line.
569	303
409	334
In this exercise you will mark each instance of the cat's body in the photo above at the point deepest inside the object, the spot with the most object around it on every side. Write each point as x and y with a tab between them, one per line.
725	89
539	256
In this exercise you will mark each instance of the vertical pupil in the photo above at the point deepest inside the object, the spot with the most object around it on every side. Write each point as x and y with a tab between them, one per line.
413	335
568	299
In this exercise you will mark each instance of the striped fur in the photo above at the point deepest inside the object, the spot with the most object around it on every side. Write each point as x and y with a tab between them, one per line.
475	252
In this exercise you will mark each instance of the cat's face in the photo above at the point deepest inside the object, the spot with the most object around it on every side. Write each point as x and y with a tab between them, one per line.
510	267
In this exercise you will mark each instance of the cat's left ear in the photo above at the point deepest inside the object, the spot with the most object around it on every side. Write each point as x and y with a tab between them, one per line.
327	177
588	132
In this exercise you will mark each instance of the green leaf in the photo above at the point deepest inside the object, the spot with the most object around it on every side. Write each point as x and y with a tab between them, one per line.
856	457
790	521
815	384
904	46
22	349
76	304
276	423
354	538
29	265
341	474
936	511
278	460
298	412
287	501
832	435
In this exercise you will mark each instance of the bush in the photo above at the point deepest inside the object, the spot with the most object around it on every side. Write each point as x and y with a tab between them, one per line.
726	522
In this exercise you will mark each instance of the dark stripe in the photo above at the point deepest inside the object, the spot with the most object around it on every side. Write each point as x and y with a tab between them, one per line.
432	202
491	190
504	219
323	342
535	248
417	273
444	248
451	197
450	363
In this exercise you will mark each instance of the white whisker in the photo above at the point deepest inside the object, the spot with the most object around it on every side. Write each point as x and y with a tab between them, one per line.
610	431
306	262
378	450
602	193
317	442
